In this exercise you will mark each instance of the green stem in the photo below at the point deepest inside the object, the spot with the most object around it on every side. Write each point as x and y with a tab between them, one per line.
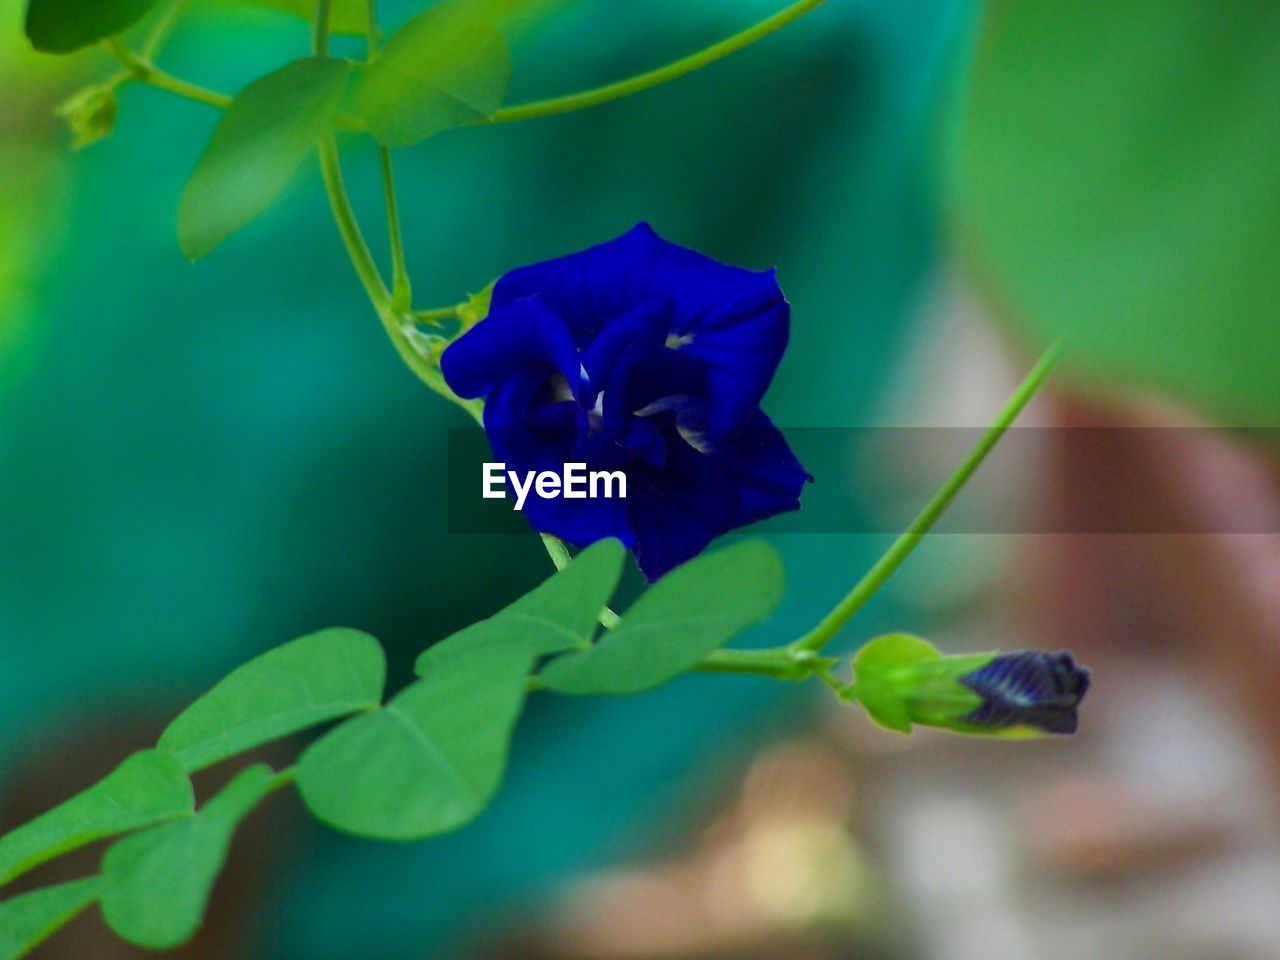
348	227
320	30
884	568
282	779
653	78
434	315
556	550
780	663
401	289
394	324
143	71
559	555
164	23
371	32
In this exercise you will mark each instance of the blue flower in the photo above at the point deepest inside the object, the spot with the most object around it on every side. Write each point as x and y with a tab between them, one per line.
1028	688
641	356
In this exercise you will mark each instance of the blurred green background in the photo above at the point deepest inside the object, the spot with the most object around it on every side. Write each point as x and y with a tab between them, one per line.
201	461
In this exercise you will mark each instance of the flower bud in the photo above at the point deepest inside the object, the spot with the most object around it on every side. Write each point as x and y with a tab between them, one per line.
901	679
90	113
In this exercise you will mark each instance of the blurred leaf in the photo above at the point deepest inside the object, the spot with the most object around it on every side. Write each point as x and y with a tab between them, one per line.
1115	182
156	884
688	613
315	678
26	921
349	17
147	788
60	26
260	142
428	762
559	614
446	67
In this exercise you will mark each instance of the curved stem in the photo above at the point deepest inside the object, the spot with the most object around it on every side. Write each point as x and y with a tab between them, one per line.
143	71
653	78
884	568
393	322
401	289
345	218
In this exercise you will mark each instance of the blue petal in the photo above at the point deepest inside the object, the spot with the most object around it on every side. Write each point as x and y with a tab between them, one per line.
678	510
525	335
1028	688
645	323
770	477
581	522
590	287
644	441
734	322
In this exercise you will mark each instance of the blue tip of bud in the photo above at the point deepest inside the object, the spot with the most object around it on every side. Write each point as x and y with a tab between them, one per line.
1028	688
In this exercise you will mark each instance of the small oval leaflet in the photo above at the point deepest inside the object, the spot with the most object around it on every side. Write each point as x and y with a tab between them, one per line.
262	139
447	67
693	610
147	788
315	678
156	884
431	759
27	920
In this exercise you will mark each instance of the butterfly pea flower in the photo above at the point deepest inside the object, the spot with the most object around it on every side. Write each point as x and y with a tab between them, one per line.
643	357
903	680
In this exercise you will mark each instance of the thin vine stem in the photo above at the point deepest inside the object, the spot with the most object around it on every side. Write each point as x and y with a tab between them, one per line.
885	567
401	288
561	557
164	23
349	228
320	29
144	71
653	78
434	315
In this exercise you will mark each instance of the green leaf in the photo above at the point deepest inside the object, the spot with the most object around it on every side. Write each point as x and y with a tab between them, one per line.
446	67
428	762
28	920
257	147
156	884
350	17
1114	180
690	612
559	614
60	26
315	678
147	788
